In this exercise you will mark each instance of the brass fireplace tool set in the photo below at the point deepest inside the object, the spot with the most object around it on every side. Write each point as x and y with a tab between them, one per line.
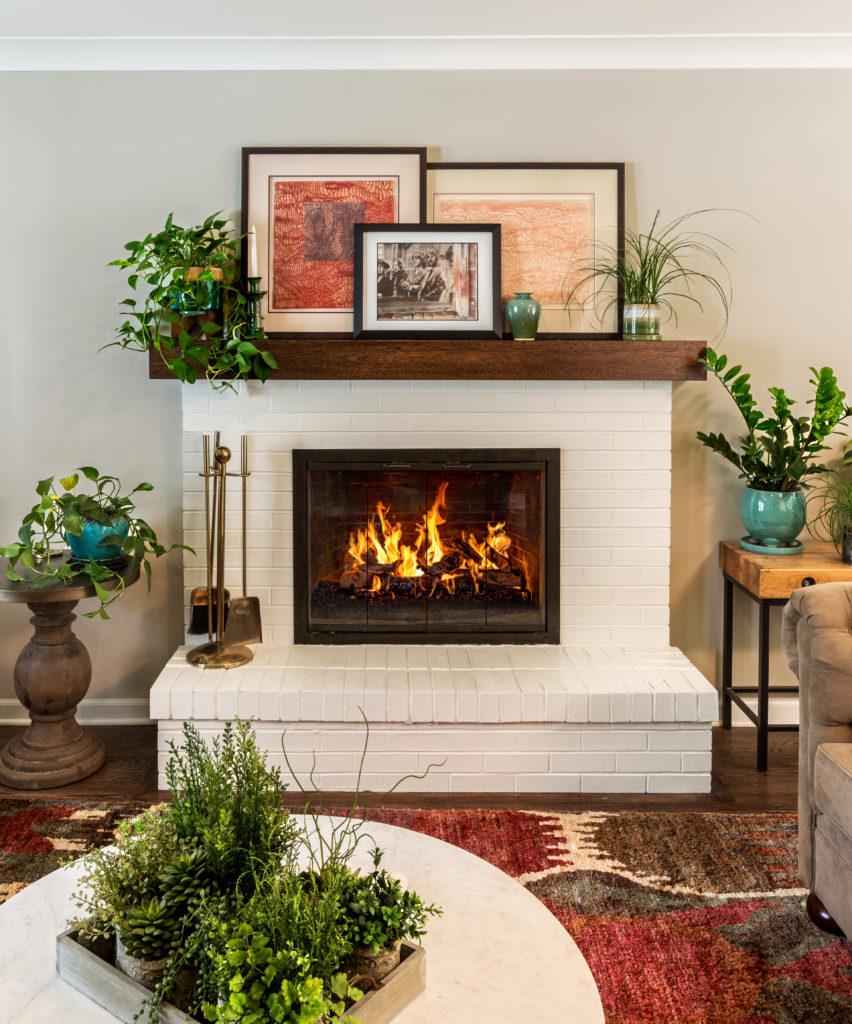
229	624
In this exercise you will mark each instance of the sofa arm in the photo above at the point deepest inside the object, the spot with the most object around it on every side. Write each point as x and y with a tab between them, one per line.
818	645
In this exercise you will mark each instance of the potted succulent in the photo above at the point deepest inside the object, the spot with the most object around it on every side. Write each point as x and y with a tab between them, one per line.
203	899
776	454
194	310
380	913
830	508
654	269
102	532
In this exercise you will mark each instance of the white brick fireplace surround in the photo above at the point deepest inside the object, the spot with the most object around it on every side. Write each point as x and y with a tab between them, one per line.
613	708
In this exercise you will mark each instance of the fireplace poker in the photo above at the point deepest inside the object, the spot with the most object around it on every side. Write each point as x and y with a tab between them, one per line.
244	625
202	600
215	653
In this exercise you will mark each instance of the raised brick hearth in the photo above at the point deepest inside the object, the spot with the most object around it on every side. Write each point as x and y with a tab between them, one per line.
614	708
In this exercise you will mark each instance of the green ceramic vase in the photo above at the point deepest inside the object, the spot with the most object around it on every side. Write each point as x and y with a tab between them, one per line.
523	313
773	519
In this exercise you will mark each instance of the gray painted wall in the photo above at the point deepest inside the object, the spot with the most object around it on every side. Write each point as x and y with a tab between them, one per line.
94	159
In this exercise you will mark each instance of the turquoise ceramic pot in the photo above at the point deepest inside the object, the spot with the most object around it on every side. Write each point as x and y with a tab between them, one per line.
88	544
773	518
523	313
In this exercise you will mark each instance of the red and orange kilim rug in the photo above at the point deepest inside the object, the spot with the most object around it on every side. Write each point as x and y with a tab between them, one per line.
683	918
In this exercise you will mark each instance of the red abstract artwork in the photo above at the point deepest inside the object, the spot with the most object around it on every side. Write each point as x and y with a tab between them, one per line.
311	238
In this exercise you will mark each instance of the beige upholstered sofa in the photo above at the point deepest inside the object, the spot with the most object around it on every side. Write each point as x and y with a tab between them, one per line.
818	645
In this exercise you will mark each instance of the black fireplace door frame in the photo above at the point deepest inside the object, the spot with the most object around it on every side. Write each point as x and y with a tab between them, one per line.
481	459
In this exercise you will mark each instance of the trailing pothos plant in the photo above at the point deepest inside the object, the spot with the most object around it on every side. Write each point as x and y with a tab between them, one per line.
44	527
177	276
778	449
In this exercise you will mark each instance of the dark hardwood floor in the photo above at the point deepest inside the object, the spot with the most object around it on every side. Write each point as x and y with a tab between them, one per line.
130	773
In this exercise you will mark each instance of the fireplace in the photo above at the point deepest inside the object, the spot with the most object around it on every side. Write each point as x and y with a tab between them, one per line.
426	546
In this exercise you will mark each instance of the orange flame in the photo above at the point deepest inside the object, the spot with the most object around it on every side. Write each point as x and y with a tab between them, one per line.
432	520
376	585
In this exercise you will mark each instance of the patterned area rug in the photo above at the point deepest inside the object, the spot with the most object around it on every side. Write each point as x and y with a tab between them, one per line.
682	918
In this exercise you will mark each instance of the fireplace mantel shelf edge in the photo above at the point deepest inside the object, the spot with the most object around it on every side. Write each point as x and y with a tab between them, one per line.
302	358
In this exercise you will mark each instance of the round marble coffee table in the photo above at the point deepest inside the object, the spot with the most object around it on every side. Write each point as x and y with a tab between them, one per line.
496	953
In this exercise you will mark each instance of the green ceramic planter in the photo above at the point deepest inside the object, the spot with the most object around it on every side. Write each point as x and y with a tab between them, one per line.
773	519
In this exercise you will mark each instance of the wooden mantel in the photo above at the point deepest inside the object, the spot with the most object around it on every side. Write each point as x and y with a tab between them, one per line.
439	359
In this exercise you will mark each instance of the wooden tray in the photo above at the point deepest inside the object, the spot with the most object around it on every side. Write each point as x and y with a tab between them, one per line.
123	997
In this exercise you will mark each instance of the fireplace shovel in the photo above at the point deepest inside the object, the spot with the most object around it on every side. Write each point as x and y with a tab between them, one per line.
244	626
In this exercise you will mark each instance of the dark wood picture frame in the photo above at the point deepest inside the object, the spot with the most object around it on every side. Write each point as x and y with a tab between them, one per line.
404	165
488	324
485	184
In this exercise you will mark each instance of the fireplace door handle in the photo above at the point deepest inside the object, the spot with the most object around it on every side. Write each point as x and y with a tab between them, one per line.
457	465
396	465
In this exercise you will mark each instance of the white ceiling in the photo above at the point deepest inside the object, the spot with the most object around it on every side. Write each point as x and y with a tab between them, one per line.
437	34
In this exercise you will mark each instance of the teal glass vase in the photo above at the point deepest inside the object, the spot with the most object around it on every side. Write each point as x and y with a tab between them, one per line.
773	519
89	543
523	314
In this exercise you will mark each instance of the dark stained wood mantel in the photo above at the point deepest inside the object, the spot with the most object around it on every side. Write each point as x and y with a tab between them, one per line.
303	358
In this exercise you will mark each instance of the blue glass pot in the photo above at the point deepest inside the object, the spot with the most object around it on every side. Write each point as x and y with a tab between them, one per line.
88	544
773	518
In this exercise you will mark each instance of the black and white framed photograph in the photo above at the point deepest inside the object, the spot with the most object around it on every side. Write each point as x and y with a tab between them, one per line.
419	280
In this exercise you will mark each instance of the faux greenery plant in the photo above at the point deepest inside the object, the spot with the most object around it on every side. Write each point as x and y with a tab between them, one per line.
214	883
379	911
219	346
778	450
655	267
44	527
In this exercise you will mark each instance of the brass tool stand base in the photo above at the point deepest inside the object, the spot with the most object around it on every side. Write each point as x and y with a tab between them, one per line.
212	656
52	675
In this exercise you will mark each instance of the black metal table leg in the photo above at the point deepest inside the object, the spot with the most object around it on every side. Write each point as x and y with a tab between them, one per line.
727	652
763	690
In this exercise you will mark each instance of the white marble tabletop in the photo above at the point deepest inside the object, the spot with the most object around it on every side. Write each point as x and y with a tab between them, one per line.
496	953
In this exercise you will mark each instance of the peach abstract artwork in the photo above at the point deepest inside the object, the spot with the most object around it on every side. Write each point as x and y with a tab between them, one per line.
543	236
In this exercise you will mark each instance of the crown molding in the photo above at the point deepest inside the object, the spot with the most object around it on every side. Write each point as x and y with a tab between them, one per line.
428	53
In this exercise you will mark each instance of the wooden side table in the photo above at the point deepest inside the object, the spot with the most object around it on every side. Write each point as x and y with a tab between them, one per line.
768	580
52	675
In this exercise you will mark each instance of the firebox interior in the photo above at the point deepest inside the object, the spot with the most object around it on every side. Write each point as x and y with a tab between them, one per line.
426	546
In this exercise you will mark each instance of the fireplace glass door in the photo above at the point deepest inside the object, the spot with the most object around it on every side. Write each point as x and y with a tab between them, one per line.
430	547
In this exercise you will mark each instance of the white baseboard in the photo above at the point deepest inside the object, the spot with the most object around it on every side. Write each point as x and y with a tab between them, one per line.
92	711
782	711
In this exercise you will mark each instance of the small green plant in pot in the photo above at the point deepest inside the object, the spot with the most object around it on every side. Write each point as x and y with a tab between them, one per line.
777	452
830	507
193	310
654	272
101	529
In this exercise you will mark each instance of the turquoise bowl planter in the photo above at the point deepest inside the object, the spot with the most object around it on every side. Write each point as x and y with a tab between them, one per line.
523	313
88	544
773	519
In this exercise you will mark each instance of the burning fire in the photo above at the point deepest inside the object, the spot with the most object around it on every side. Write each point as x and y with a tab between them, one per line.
377	559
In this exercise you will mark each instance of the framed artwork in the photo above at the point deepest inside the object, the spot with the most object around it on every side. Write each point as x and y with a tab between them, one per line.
552	218
301	205
421	280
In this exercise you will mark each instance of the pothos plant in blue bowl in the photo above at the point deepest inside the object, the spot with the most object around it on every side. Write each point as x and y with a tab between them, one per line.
104	536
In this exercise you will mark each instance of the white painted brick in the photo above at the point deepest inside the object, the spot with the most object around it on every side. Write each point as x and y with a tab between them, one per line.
453	762
482	783
517	762
549	739
648	761
549	783
697	762
699	783
226	697
159	705
680	739
614	739
582	762
484	739
612	784
467	696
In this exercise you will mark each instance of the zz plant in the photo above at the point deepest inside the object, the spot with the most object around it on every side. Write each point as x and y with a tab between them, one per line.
168	296
778	449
